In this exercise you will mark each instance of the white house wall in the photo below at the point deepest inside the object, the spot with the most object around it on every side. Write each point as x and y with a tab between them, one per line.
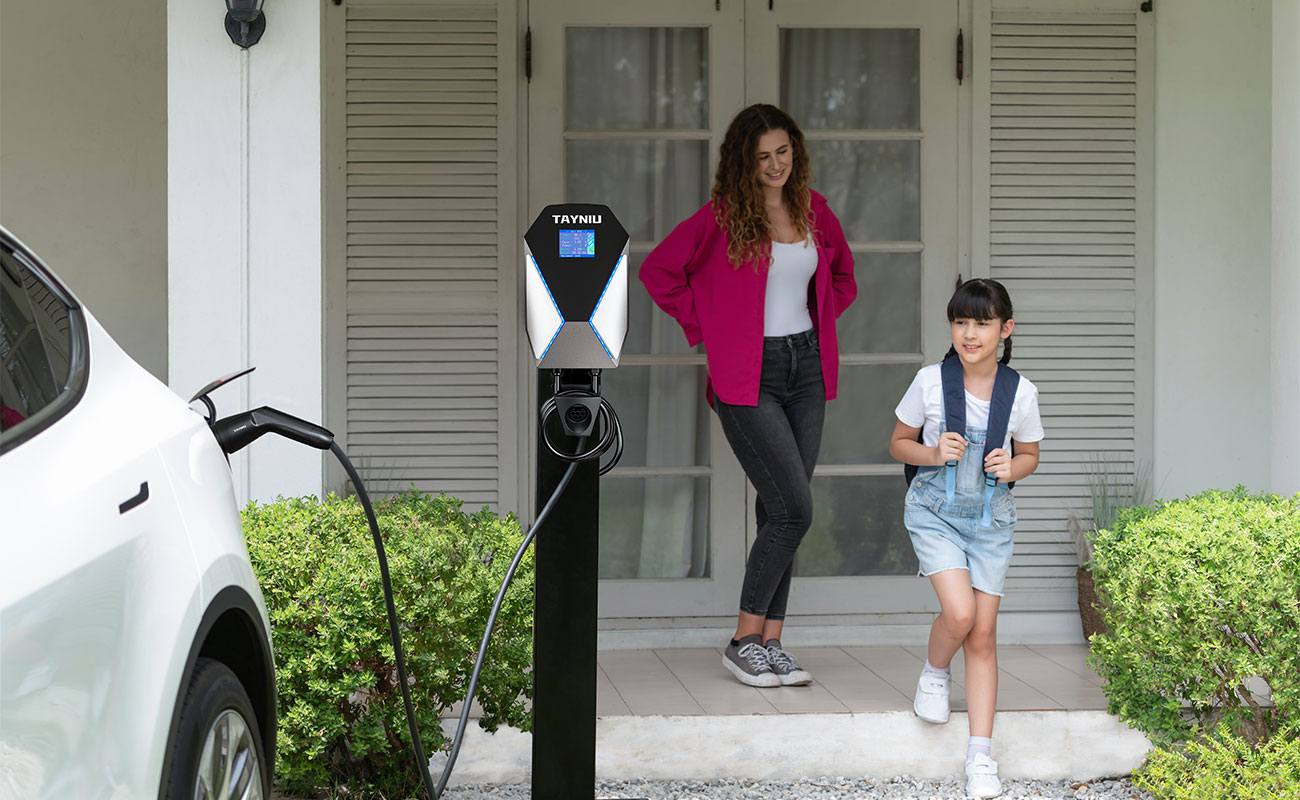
285	248
92	148
1285	428
1212	349
1212	245
83	156
81	146
244	217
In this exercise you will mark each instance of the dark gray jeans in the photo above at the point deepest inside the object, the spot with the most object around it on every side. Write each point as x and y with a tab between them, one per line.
776	443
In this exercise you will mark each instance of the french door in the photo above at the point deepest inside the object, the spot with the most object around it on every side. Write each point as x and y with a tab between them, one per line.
873	86
628	104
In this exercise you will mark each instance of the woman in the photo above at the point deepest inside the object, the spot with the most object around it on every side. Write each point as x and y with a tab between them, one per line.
760	274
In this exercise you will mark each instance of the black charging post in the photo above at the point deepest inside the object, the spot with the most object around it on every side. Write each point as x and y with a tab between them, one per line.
564	622
576	296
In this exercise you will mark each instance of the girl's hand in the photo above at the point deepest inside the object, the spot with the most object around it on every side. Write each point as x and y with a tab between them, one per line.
951	446
999	463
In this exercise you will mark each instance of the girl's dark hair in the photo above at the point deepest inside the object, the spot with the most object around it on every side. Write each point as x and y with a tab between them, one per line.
981	298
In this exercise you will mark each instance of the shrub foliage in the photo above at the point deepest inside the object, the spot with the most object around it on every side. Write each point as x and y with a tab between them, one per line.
341	715
1225	767
1199	596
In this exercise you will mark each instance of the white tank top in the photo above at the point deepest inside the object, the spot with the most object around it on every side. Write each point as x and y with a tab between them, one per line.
785	306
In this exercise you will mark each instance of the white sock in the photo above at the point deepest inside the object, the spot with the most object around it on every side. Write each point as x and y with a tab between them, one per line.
945	672
979	744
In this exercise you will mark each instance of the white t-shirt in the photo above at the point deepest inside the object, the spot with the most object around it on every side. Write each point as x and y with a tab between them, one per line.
785	305
922	407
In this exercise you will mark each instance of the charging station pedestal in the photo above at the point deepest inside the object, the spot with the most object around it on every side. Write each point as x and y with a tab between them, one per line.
564	627
576	267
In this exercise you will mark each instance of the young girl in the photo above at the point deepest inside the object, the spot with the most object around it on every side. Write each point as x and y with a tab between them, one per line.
760	274
962	526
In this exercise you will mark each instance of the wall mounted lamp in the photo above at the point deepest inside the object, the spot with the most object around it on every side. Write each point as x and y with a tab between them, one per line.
245	21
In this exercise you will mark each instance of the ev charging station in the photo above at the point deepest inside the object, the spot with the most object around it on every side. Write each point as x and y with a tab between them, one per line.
576	264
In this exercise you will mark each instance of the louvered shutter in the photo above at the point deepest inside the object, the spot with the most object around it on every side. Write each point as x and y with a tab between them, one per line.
1061	216
429	227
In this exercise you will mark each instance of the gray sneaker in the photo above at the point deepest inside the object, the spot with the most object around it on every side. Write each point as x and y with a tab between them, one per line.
784	665
748	661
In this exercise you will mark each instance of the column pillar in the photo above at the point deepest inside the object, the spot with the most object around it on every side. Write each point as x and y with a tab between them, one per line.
245	278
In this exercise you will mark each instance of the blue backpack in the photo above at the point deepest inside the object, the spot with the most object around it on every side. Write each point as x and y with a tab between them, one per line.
1005	384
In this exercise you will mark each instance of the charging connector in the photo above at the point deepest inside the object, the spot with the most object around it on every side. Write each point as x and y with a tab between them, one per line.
581	409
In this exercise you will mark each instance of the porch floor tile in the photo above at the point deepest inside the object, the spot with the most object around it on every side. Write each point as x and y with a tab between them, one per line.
847	680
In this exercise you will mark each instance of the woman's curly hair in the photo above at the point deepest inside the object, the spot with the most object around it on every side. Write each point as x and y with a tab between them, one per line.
737	195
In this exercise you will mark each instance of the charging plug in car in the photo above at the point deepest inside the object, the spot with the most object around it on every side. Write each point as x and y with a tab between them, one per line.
237	431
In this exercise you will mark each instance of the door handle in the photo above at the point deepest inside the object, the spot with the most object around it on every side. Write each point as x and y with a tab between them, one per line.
139	499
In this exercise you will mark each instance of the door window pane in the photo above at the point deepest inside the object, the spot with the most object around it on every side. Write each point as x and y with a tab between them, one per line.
886	317
621	79
846	86
654	527
664	415
852	78
857	528
873	187
859	422
636	78
650	185
649	329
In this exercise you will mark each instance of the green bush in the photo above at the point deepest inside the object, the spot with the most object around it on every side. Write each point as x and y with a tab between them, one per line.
1198	596
1225	767
341	715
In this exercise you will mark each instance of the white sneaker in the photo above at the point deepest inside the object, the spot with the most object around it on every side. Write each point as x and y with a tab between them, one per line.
982	777
931	703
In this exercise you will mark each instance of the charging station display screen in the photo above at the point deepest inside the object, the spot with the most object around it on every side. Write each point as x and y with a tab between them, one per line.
578	244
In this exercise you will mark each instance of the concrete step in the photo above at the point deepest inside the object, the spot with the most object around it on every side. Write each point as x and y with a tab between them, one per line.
1041	745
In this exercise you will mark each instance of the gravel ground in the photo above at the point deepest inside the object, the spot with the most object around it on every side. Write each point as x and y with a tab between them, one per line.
833	788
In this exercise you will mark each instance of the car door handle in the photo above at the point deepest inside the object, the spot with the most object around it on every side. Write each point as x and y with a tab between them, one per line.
135	501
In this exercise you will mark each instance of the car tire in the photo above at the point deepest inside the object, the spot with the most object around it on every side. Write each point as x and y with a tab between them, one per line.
218	747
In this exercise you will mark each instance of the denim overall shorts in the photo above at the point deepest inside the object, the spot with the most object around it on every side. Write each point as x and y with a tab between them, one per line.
950	535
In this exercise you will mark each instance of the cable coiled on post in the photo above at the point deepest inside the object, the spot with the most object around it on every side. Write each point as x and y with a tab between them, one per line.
612	435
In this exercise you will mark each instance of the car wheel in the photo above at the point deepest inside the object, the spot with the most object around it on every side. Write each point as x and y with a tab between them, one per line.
218	753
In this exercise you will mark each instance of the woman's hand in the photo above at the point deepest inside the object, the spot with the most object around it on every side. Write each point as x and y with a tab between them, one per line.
950	448
999	463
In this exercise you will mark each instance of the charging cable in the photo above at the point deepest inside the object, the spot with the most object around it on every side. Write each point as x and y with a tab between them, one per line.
393	632
487	631
422	762
236	432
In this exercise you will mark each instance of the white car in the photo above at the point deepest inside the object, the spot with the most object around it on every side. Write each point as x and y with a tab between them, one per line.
135	652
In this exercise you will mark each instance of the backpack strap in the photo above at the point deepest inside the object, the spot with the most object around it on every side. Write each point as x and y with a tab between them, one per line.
1005	384
954	413
954	405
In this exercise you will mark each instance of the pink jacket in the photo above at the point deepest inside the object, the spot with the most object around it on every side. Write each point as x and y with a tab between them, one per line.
690	278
